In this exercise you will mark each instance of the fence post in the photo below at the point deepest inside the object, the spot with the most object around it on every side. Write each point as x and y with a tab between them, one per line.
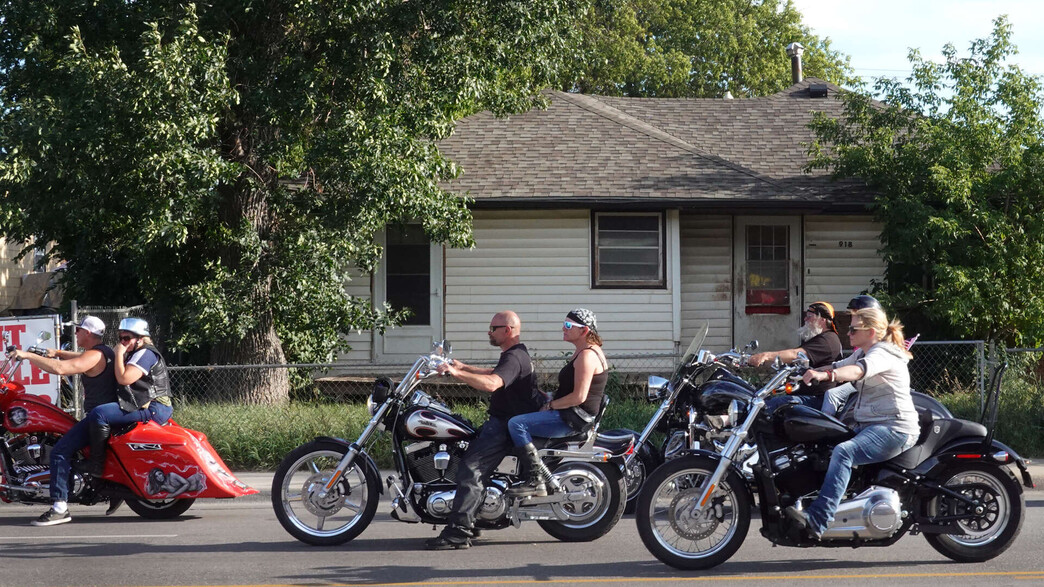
77	384
982	372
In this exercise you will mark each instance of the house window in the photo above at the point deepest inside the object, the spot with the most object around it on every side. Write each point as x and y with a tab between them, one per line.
628	250
408	269
768	266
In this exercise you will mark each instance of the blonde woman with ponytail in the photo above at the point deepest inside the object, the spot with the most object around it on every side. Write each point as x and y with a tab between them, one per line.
885	418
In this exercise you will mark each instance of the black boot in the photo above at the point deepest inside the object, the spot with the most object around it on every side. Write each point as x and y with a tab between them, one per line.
99	434
538	474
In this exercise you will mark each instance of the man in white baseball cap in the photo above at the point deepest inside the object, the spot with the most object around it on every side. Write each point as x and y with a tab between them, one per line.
96	366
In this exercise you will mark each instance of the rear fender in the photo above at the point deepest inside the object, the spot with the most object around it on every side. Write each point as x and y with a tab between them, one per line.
163	462
969	450
367	459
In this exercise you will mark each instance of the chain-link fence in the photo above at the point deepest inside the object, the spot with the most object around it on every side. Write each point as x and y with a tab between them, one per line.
938	367
338	382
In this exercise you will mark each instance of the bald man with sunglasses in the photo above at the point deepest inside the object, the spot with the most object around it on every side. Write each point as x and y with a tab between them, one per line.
514	388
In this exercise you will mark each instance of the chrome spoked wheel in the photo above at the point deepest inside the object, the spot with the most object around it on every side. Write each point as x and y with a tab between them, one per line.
681	533
312	510
596	501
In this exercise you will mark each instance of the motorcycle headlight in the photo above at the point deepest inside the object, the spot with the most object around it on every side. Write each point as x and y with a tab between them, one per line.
655	387
735	409
381	390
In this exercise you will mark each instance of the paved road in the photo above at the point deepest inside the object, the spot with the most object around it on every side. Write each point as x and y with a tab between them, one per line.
241	543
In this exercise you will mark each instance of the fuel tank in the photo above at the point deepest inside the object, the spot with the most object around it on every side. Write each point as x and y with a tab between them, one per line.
426	423
715	396
29	414
798	423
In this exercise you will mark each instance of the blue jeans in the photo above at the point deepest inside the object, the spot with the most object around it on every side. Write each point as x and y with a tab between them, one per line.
547	424
61	459
111	415
79	436
873	444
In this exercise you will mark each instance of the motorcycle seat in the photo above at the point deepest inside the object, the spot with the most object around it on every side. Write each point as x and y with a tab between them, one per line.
940	432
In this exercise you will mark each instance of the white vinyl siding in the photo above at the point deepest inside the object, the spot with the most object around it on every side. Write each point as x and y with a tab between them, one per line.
706	278
538	263
841	258
361	342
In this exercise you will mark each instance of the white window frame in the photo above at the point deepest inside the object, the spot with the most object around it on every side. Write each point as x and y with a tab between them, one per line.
660	282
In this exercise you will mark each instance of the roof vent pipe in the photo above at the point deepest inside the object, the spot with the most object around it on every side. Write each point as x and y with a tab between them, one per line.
794	50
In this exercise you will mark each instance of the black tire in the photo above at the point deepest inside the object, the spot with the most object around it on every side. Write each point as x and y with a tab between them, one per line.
594	517
159	509
295	499
637	470
687	543
993	532
635	475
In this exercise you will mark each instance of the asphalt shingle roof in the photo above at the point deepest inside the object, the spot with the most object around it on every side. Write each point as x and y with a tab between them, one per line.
597	149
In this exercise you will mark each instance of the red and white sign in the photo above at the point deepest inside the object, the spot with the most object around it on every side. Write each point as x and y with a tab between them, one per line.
24	332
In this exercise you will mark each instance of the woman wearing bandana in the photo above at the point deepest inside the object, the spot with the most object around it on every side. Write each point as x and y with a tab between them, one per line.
581	385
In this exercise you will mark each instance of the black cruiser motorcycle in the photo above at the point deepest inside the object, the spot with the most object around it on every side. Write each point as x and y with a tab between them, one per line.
953	486
326	492
693	412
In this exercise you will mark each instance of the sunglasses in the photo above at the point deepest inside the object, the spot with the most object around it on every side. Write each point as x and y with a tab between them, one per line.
852	330
126	338
571	325
494	328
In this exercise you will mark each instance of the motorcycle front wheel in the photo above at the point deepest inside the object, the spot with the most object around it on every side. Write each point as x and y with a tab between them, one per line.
994	528
597	500
339	516
680	534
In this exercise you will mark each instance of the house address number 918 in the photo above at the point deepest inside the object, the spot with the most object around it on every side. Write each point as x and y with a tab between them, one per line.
844	244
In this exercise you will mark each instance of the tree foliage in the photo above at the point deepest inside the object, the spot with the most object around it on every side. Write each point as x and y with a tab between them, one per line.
231	160
956	158
697	48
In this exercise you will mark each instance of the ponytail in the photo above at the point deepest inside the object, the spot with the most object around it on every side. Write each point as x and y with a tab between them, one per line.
894	334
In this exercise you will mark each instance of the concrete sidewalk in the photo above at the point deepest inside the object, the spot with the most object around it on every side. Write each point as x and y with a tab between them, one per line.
262	480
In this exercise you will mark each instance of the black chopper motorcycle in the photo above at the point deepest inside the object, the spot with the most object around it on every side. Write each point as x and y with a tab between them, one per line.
953	486
325	492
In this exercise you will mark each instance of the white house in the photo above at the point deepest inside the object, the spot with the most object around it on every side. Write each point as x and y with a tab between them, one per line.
657	214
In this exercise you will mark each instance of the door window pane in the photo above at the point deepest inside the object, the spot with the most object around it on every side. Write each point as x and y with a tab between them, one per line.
408	269
768	268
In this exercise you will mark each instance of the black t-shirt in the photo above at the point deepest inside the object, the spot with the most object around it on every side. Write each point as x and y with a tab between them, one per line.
100	389
822	350
519	394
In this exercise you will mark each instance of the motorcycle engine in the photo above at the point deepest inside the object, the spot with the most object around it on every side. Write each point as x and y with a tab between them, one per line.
798	471
874	513
432	461
29	452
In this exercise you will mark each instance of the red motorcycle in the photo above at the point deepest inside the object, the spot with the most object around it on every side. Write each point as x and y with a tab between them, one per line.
158	470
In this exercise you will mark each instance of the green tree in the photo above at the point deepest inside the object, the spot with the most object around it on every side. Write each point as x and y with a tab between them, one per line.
232	160
697	48
955	157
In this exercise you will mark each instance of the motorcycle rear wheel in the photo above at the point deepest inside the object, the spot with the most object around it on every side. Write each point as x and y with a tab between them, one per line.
593	517
159	509
669	529
993	532
350	505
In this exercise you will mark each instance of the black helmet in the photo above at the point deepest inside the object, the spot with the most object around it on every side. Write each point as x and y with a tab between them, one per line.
862	302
